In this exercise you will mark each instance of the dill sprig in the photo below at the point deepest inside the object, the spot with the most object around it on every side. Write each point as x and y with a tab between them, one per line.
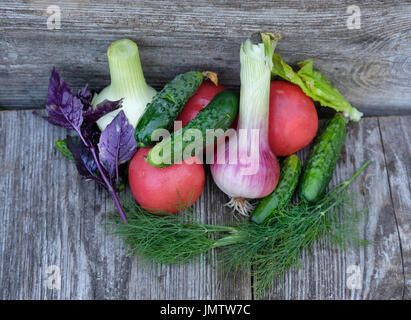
166	239
271	249
268	250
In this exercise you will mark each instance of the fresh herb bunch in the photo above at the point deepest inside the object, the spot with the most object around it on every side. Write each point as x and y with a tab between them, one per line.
268	249
97	155
170	239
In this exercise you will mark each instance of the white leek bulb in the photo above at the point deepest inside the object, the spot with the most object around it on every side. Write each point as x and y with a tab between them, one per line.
255	172
127	83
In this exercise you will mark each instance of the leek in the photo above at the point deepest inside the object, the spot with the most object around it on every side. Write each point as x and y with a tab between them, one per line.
127	83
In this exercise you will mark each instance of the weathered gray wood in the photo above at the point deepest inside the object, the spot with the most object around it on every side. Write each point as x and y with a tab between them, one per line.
49	216
371	66
331	273
396	135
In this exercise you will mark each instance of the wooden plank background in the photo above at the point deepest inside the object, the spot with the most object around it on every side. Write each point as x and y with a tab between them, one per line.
371	66
50	217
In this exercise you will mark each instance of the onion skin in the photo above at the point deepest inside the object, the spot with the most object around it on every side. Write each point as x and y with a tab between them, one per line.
254	173
229	178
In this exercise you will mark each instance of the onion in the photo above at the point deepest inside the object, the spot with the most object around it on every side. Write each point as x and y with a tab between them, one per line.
247	169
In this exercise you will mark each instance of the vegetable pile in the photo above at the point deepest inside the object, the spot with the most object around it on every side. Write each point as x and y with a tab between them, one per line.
160	141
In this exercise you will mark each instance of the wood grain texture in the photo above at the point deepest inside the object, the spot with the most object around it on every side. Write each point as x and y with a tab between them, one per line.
396	135
49	216
371	66
330	273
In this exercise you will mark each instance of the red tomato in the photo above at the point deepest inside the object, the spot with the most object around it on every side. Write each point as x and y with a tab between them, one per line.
162	189
293	120
199	100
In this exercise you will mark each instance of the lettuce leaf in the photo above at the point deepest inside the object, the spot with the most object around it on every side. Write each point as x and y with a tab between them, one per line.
314	85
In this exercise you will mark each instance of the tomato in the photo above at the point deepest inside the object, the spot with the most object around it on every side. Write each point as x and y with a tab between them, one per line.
199	100
163	189
293	120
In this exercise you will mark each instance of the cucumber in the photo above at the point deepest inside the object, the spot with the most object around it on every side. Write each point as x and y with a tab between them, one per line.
218	114
326	151
166	105
281	196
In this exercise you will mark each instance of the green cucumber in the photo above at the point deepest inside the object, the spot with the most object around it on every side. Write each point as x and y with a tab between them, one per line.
166	105
319	168
218	114
281	196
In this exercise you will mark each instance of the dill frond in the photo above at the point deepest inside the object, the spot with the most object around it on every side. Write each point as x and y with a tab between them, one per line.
169	239
268	250
271	249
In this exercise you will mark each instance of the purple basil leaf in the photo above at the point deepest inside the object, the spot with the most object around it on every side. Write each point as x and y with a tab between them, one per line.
85	97
117	144
91	133
92	115
54	91
85	163
64	109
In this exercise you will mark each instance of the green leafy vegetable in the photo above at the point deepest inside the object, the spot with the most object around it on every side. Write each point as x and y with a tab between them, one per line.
269	249
61	146
170	239
272	248
314	85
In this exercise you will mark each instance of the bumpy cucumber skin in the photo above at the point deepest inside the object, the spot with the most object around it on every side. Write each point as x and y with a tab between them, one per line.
319	168
166	105
218	114
281	196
